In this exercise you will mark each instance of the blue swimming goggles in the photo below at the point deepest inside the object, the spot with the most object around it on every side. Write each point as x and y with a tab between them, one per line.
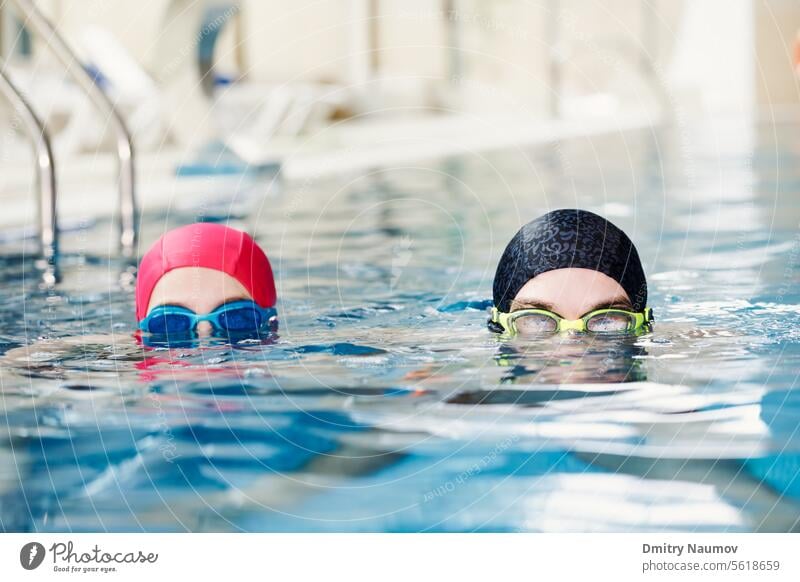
236	317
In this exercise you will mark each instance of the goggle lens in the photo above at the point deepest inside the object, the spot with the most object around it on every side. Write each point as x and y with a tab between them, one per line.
535	323
165	323
240	319
609	323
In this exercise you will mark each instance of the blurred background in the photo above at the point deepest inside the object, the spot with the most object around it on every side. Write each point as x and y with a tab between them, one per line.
214	92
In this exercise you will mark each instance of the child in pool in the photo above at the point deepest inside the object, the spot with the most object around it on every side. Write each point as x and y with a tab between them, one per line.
570	270
205	278
196	280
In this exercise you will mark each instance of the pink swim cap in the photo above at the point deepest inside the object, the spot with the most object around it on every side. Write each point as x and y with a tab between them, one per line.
212	246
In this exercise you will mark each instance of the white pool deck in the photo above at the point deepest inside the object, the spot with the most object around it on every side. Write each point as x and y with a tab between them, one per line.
87	183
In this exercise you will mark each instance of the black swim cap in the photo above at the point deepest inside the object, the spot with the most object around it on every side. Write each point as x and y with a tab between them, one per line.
569	238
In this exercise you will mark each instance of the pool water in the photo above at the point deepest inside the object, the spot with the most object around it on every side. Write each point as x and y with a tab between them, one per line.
383	403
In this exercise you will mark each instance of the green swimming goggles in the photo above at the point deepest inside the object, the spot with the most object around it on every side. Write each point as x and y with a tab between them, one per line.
541	321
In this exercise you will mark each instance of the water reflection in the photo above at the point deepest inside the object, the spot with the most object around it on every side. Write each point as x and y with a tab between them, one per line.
572	359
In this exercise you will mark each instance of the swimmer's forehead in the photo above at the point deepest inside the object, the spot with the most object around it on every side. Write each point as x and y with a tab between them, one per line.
197	288
572	292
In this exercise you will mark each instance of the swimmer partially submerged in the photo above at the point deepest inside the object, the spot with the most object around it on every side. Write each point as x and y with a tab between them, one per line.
570	270
195	281
205	279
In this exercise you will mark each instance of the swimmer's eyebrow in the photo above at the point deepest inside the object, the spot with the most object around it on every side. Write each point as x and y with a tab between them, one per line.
179	304
172	304
231	300
533	304
620	302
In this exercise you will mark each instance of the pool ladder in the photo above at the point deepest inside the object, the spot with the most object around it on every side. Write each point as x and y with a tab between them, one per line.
46	181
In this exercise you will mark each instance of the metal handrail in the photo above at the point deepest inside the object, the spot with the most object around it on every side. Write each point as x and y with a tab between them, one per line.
45	167
127	193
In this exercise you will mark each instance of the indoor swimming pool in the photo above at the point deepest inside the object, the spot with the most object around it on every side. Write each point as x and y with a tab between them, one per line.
383	403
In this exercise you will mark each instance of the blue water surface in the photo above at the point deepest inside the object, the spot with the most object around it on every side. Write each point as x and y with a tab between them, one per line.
384	404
